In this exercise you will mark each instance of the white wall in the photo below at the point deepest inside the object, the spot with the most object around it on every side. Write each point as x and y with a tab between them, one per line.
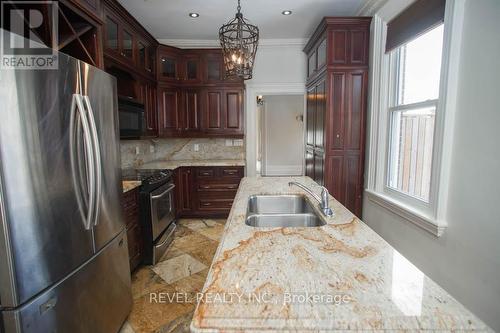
466	259
283	135
279	61
280	69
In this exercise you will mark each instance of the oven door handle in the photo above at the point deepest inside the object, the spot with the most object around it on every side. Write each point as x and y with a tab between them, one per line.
170	188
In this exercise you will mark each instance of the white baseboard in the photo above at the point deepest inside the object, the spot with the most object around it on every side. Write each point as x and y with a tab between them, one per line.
283	170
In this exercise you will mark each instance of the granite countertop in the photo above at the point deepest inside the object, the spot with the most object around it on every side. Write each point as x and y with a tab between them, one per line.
129	185
341	276
198	162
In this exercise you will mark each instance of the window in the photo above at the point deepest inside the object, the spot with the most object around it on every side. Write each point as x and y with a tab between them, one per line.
414	90
414	87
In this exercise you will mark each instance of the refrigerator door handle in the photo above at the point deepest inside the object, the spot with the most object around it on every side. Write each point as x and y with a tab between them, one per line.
77	106
97	159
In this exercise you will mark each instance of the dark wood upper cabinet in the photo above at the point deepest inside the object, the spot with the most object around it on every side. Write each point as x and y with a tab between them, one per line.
170	104
321	54
348	46
119	38
92	7
213	110
78	30
191	113
316	58
146	57
169	68
79	34
183	90
222	113
337	87
111	34
141	54
148	95
126	42
214	67
233	111
192	68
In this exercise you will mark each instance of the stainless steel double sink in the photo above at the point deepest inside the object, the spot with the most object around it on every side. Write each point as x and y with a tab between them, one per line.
272	211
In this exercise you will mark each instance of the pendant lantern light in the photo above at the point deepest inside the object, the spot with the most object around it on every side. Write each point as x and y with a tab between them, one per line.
239	40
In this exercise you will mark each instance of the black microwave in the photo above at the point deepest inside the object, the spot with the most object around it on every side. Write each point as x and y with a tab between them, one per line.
131	117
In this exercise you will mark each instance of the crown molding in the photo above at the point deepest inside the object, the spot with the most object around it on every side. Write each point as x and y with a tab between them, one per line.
190	43
299	42
206	43
370	7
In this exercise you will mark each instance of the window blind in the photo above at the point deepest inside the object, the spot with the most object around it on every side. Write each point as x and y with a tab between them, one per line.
418	18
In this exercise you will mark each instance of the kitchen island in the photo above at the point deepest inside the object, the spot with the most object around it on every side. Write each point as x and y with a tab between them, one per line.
340	276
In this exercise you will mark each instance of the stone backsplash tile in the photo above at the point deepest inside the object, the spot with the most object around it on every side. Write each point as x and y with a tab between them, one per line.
177	149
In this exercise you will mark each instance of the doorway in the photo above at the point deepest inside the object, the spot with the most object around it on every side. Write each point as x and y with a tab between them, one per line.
280	135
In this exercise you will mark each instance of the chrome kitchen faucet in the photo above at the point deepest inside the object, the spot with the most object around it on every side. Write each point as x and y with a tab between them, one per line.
323	200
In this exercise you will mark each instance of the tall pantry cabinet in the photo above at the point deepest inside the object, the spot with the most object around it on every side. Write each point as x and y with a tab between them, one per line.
337	86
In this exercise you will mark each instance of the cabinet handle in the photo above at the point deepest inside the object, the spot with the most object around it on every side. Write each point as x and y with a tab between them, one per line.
232	187
206	204
205	186
231	172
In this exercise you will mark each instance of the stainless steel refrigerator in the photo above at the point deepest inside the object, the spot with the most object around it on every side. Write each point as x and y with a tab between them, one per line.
63	248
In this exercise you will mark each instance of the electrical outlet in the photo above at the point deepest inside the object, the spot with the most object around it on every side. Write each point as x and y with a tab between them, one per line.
196	147
137	150
229	143
151	148
238	142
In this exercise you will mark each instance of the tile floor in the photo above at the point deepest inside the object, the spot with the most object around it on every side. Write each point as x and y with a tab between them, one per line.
182	271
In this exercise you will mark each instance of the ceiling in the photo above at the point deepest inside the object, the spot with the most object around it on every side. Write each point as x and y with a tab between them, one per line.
168	19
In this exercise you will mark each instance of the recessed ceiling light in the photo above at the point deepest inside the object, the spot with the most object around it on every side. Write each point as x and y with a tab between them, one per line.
194	15
286	12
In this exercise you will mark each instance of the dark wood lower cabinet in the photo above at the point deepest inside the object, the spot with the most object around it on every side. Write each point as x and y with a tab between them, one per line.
206	191
130	207
184	194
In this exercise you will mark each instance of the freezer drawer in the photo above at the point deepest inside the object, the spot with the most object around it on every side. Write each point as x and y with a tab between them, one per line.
95	298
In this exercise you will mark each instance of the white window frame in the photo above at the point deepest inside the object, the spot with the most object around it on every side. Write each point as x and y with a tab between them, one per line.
431	216
394	80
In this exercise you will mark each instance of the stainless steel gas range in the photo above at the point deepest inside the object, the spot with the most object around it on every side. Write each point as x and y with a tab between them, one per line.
157	211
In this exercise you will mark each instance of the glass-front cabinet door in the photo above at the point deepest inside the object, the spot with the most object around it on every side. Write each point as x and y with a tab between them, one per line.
142	54
111	34
214	67
127	45
192	68
169	67
150	59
